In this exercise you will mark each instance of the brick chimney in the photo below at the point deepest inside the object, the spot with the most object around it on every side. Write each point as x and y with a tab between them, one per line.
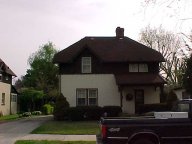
119	32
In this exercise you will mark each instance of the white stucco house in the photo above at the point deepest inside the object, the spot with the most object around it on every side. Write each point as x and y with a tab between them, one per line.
8	95
110	71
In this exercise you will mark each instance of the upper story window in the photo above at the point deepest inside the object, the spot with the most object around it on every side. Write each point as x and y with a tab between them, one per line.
86	64
138	68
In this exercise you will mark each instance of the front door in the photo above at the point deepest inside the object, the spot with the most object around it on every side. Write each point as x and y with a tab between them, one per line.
139	99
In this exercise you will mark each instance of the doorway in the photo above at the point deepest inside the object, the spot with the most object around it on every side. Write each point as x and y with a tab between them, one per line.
139	99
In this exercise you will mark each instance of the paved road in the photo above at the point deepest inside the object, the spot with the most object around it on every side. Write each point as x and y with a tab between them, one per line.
11	131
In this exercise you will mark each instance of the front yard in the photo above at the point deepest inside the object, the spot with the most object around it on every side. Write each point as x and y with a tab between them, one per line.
68	128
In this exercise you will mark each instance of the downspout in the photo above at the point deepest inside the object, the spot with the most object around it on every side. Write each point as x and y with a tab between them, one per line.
121	96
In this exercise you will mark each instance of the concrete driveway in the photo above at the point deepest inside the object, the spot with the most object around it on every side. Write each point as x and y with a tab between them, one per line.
12	131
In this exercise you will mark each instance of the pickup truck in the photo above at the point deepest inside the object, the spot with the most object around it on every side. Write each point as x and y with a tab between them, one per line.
162	128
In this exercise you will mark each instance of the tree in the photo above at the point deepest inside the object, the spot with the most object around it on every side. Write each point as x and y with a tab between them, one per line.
187	78
43	74
169	45
30	99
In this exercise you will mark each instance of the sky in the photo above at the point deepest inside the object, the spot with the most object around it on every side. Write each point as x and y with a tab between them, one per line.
26	25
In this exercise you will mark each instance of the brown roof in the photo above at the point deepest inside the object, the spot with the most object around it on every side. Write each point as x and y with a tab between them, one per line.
110	49
5	68
139	79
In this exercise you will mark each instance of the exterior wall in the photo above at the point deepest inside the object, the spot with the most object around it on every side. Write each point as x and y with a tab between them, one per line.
5	88
14	105
151	95
105	83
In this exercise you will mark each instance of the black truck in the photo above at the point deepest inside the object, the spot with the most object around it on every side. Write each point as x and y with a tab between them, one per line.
162	128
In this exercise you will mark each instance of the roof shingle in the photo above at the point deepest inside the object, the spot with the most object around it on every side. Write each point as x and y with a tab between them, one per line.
110	49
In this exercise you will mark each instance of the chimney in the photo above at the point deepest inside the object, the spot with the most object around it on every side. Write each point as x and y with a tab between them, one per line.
119	32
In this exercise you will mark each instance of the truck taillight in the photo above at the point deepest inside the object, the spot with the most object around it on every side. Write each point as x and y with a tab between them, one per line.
104	131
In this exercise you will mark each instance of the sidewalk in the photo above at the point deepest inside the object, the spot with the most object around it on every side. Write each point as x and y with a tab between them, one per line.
58	137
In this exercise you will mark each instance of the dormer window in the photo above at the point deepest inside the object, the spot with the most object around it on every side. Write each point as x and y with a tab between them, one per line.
138	68
86	64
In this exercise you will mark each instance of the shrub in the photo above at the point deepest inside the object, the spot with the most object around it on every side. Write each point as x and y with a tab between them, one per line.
47	109
36	113
112	111
60	108
26	114
144	108
84	113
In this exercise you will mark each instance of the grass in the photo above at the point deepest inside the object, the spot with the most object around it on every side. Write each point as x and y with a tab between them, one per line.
68	128
9	117
53	142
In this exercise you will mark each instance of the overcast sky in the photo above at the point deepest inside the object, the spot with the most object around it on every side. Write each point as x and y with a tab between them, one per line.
25	25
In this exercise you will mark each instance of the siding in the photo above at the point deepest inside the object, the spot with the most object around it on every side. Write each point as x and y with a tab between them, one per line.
107	89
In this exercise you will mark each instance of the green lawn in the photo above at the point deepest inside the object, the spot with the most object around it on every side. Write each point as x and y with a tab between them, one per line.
68	128
53	142
9	117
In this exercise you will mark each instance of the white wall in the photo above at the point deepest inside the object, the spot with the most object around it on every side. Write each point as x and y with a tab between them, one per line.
5	88
14	105
107	89
151	95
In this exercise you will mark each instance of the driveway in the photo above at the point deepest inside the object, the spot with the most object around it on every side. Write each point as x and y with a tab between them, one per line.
11	131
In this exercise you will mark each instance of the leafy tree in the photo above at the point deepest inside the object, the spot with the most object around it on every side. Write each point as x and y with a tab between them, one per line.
30	99
169	45
187	78
42	74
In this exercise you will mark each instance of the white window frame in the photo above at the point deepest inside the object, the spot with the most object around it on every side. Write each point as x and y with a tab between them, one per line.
13	98
138	67
92	97
133	68
87	96
3	99
86	64
143	68
1	77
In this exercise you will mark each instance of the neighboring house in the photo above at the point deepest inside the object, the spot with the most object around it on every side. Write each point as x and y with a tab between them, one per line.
8	97
105	71
181	93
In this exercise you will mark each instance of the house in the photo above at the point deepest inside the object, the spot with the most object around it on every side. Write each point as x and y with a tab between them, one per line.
107	71
181	93
8	96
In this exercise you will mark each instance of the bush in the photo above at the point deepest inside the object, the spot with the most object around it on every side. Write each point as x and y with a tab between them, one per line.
26	114
84	113
60	108
112	111
47	109
153	107
36	113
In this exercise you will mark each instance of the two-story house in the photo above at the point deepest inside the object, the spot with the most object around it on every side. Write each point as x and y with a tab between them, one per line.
107	71
8	95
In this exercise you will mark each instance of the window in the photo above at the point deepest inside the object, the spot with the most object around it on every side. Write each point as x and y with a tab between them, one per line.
86	64
133	67
3	99
1	77
143	68
14	98
7	77
92	99
81	97
138	68
87	97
